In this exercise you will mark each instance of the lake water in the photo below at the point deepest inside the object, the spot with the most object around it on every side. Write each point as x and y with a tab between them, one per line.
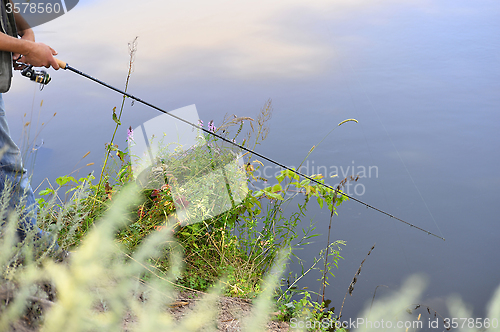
422	79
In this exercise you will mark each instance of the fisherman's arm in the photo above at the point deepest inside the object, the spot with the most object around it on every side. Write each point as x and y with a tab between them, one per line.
36	54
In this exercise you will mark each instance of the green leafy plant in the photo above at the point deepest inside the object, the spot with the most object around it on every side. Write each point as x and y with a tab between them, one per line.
309	315
117	119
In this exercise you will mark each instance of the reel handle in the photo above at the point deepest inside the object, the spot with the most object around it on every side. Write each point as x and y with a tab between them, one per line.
61	63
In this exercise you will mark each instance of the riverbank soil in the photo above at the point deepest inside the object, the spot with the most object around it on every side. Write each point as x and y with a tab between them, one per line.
232	311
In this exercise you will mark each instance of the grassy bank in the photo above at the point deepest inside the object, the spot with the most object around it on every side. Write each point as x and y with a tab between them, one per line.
239	245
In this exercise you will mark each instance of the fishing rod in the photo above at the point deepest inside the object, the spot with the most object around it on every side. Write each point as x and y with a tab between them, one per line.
66	66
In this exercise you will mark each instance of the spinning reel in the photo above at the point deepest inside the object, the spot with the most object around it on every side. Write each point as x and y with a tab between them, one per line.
35	75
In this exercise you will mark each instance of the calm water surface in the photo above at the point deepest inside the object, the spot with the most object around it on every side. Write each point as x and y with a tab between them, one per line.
422	82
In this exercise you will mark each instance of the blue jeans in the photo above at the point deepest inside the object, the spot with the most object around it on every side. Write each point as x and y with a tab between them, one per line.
13	177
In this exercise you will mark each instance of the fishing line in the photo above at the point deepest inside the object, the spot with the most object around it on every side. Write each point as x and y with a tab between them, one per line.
397	151
352	99
65	66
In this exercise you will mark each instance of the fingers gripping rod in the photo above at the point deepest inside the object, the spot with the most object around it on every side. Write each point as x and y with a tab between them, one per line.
65	66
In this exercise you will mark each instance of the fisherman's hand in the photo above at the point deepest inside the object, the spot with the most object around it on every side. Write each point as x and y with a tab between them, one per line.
27	34
40	55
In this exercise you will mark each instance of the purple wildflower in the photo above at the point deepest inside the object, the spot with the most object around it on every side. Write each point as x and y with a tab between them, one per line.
211	126
130	134
200	123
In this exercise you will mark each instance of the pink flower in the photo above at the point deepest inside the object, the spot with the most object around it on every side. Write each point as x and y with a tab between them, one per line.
211	126
130	134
